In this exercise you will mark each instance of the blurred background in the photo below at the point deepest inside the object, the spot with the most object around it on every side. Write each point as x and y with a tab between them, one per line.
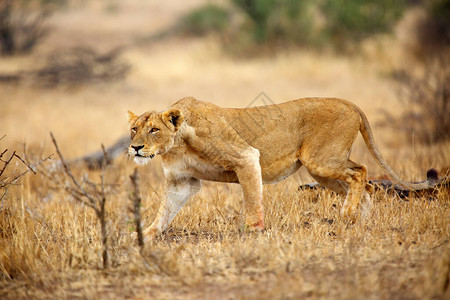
75	67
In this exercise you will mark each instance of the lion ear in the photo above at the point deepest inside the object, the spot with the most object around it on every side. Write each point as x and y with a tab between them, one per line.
132	117
173	117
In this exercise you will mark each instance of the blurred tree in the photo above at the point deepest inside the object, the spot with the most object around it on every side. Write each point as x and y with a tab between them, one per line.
348	22
426	99
433	31
322	24
22	23
205	19
279	21
339	23
424	84
259	12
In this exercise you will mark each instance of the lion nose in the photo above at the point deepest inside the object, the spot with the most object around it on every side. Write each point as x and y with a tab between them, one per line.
137	148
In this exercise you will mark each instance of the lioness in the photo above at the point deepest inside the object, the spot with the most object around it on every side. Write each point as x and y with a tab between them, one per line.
201	141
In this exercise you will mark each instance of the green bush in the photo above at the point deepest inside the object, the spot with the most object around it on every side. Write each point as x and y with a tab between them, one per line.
276	21
339	23
258	13
348	22
205	19
271	24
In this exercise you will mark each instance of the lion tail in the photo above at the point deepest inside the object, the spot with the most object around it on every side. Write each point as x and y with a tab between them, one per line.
367	135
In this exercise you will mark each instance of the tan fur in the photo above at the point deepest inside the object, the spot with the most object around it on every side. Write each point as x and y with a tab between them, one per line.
201	141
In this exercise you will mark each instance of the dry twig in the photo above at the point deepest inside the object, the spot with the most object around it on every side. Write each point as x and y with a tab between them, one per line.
136	200
135	209
6	183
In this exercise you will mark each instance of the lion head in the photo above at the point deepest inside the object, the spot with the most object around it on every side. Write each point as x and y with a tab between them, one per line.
153	133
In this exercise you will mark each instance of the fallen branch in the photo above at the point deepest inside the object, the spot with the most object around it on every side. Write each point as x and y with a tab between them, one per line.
95	159
433	182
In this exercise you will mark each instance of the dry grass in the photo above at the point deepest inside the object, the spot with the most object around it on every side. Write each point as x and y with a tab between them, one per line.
50	245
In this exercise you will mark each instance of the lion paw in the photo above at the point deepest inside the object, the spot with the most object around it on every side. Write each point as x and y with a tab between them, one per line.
256	227
151	232
349	213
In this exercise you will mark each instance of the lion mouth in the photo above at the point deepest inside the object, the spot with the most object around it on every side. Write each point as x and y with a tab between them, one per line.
141	159
139	152
139	155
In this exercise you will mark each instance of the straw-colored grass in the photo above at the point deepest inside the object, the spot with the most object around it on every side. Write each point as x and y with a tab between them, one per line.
50	244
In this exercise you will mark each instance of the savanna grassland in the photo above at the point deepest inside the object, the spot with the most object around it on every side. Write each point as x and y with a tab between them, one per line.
51	243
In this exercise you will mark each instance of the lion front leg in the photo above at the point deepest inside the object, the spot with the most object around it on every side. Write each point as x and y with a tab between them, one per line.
178	193
249	176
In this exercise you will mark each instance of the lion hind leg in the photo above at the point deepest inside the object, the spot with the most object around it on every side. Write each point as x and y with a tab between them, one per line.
366	205
349	178
335	185
357	184
342	188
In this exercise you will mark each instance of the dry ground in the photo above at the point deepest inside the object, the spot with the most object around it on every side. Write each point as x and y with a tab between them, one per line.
50	245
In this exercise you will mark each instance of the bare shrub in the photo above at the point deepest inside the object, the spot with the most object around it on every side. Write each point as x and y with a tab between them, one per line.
81	65
426	117
86	192
8	180
432	31
22	24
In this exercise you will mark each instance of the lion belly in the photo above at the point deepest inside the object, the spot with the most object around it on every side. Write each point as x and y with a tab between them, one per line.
216	175
269	175
279	170
193	166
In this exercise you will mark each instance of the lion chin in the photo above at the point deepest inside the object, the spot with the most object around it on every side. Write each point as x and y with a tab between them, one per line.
140	160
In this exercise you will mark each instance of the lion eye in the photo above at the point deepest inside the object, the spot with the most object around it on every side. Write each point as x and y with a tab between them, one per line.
153	130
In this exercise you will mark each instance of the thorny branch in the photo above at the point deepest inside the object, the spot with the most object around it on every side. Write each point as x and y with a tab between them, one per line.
25	163
6	163
80	189
7	182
